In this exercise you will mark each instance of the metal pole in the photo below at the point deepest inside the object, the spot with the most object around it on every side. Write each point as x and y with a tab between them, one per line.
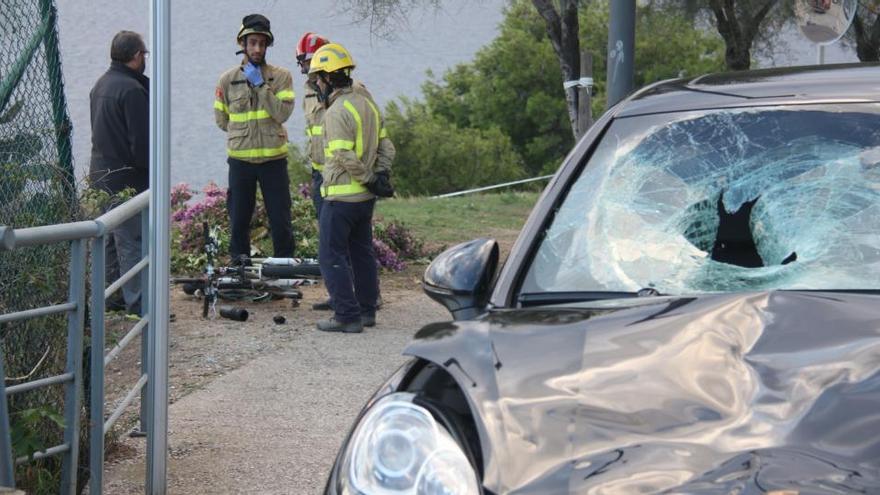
160	190
59	103
96	384
621	50
7	472
72	396
820	54
145	310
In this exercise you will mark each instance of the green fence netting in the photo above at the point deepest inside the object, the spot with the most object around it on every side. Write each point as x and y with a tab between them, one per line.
37	187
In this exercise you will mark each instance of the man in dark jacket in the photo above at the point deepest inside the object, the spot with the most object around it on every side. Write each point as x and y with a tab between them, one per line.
120	112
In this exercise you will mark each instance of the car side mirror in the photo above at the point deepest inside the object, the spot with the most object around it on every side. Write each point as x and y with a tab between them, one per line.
460	277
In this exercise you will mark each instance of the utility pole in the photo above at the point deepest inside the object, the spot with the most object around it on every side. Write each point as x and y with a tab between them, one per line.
621	50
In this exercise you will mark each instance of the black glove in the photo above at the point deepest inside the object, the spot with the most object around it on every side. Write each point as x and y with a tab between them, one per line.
381	185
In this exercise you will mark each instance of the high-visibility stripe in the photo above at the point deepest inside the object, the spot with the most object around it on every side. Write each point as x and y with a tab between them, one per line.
359	138
340	144
383	133
314	130
375	116
219	105
317	166
258	152
285	94
343	189
246	116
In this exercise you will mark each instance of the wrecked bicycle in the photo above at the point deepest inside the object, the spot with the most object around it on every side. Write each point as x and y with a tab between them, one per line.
249	279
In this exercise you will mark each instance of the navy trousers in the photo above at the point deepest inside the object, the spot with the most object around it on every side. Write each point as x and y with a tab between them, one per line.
242	197
348	264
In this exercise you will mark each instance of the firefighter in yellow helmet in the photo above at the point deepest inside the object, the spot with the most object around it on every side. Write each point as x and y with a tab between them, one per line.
252	101
357	167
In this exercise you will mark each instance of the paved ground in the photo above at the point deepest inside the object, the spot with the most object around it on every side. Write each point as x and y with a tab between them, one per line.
273	423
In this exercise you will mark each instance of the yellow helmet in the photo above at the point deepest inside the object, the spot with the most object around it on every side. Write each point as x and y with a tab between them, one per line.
331	58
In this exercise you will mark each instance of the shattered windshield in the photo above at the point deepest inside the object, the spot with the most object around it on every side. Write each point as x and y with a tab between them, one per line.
722	200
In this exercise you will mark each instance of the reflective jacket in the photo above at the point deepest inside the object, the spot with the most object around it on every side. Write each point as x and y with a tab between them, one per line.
253	118
314	113
356	146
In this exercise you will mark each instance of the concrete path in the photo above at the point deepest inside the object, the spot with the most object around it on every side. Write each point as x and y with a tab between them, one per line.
274	425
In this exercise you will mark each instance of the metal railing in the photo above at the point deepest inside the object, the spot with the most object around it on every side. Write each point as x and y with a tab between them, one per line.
78	234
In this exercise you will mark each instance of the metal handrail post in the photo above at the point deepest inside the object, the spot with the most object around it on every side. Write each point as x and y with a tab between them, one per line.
72	394
96	384
160	242
7	471
145	310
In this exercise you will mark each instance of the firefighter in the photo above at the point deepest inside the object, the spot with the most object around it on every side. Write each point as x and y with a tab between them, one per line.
357	167
313	111
252	102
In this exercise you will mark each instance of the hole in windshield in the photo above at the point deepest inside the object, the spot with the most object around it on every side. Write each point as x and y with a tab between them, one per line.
724	200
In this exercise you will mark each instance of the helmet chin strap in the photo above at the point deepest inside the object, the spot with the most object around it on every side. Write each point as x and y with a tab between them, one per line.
324	95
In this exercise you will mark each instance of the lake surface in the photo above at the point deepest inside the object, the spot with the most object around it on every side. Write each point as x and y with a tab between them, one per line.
203	46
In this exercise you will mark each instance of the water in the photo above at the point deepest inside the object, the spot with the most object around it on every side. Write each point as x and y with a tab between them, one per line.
203	46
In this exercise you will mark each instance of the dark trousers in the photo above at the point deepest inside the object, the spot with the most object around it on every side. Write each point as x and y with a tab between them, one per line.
241	199
123	251
317	200
348	264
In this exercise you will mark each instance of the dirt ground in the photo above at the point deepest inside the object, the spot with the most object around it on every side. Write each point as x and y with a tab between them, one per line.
215	447
201	350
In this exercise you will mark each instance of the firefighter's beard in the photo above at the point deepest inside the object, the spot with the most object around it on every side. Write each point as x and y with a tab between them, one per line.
256	57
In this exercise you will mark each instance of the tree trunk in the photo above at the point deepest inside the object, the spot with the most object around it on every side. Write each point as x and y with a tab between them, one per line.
867	38
562	29
738	27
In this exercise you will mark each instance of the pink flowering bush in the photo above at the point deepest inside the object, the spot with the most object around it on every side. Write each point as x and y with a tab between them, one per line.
386	256
393	242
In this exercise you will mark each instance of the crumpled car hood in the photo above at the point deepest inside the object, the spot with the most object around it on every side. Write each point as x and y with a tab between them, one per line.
732	393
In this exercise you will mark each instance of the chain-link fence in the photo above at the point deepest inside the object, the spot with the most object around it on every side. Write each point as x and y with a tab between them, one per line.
37	187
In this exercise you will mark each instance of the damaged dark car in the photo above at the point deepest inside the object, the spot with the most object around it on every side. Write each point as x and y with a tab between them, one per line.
693	306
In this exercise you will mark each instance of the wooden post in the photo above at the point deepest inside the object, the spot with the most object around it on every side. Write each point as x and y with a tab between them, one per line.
585	114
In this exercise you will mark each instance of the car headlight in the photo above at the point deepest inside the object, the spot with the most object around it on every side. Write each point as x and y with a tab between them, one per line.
398	448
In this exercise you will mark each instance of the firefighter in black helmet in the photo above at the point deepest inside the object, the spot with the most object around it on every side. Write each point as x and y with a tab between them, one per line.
252	101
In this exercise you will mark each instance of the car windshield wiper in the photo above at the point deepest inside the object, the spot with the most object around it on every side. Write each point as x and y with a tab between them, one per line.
542	298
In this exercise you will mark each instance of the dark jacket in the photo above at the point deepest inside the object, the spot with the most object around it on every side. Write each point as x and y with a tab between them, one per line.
120	107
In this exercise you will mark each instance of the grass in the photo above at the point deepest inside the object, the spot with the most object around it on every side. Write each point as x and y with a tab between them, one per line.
448	221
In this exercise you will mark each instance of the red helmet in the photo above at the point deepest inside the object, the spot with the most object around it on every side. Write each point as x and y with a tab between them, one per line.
308	45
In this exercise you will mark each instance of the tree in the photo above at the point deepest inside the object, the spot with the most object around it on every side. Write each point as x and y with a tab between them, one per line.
563	29
739	22
865	31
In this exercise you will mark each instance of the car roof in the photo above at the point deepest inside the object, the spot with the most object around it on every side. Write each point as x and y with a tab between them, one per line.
844	83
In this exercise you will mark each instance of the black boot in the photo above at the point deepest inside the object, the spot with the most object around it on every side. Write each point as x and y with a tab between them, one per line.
332	325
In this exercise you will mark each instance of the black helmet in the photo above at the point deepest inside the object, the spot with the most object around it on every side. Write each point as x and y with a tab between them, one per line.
255	23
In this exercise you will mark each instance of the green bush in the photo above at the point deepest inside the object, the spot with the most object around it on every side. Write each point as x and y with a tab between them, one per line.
435	156
299	166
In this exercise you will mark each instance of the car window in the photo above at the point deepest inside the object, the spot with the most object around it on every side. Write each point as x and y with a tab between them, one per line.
722	200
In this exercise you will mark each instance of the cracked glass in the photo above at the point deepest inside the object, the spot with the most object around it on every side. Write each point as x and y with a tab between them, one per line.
782	197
